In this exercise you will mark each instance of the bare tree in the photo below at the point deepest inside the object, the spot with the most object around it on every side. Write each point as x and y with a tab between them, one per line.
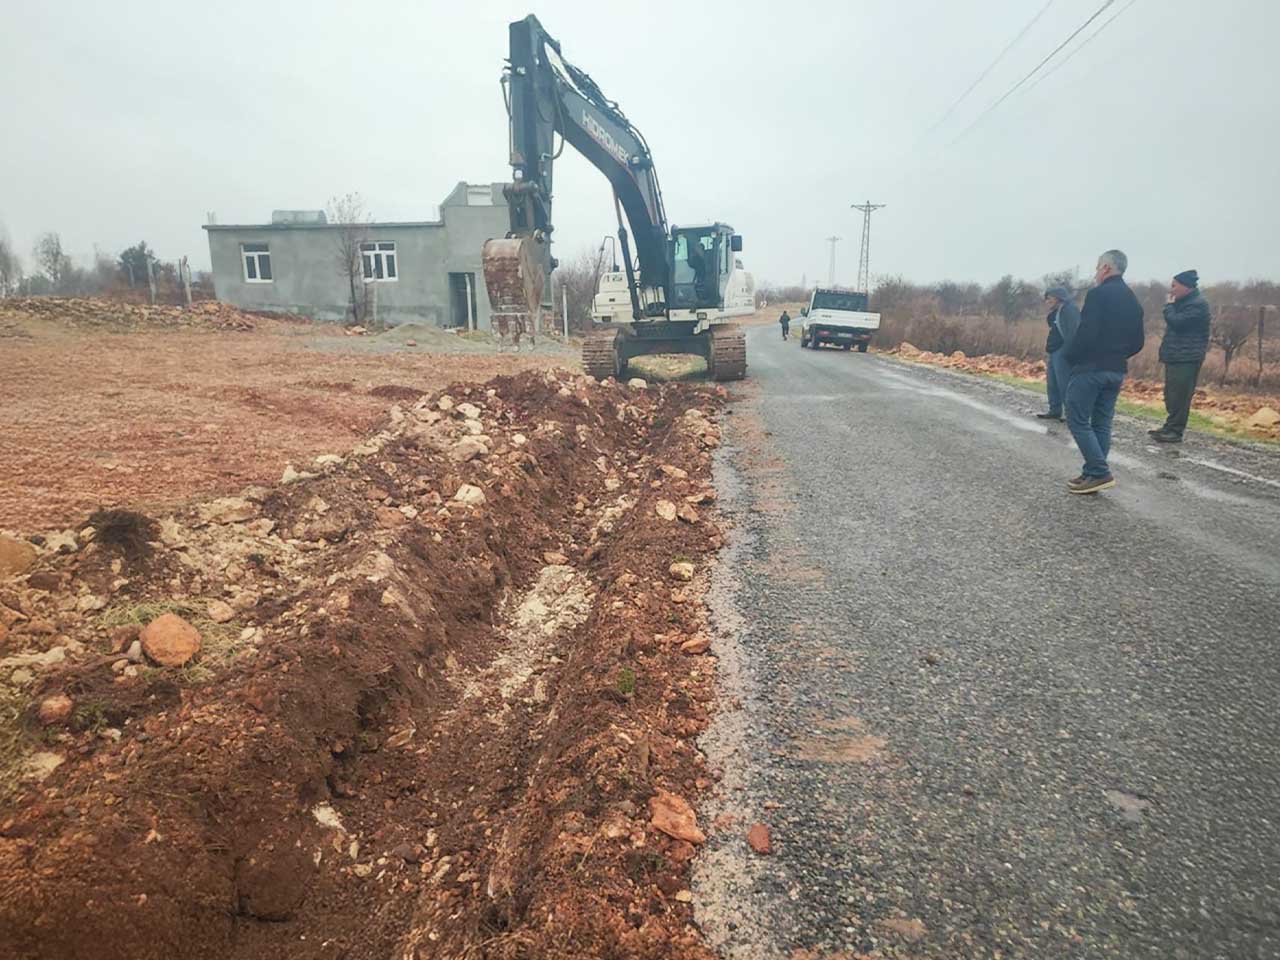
10	267
1230	329
1011	299
353	222
579	278
50	259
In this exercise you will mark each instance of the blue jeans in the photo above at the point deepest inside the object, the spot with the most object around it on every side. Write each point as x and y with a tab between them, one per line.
1091	406
1057	376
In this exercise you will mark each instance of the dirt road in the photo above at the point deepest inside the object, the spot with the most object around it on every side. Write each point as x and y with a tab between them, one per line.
983	717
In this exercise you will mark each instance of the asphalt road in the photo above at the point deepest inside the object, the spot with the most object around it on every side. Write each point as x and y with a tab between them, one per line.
983	717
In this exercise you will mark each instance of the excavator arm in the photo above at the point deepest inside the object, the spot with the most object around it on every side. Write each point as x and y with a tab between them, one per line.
683	282
546	96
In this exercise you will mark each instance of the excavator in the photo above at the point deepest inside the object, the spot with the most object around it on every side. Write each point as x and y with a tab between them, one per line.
685	284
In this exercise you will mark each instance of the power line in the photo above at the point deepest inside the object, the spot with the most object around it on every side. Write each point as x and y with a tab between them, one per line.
1056	50
991	66
1084	43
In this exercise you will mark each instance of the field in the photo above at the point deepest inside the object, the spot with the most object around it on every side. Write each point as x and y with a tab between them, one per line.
102	405
319	645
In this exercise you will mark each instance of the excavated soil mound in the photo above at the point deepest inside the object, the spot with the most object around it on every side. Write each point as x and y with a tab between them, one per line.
444	700
95	313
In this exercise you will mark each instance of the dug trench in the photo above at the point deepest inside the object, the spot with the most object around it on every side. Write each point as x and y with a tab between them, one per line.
444	705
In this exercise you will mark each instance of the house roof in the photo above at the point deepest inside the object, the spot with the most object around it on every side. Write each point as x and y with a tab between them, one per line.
373	224
459	192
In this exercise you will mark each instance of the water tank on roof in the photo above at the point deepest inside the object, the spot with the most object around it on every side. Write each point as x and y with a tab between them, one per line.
285	217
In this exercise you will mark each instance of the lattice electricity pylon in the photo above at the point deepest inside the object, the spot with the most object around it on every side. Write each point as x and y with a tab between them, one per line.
864	262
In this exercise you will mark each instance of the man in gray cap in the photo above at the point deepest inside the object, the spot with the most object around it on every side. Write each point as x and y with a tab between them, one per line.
1063	320
1186	341
1110	332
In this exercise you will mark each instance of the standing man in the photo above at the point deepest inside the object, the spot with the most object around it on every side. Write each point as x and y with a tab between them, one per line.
1063	320
1110	333
1186	341
785	320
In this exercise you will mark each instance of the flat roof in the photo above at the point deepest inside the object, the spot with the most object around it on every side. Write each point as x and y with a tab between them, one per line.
322	226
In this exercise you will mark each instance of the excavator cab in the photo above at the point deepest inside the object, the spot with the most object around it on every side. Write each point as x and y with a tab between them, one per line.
701	261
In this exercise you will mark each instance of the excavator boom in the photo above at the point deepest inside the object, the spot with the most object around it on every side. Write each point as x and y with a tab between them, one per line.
678	278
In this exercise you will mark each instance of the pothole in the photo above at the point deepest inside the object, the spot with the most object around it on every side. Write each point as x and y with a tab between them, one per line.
1131	805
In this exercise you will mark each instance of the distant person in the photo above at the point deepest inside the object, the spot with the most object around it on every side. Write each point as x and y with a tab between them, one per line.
1110	333
1186	341
1063	320
785	320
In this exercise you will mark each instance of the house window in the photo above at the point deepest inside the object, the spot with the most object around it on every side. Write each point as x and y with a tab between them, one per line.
257	262
379	261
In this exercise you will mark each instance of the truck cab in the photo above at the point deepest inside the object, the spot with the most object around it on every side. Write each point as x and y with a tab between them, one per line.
838	317
612	302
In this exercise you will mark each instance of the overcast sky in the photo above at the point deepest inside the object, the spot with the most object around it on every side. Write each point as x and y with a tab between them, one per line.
131	121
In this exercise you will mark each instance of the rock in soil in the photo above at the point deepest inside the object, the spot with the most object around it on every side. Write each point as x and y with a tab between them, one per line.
122	637
759	839
696	645
55	709
16	557
681	570
220	611
1264	418
466	449
170	640
469	495
672	815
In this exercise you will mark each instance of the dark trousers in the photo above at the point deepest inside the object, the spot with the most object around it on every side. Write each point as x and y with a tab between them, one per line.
1179	391
1091	406
1057	376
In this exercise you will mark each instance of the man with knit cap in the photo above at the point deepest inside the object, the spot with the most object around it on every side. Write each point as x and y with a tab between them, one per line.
1186	341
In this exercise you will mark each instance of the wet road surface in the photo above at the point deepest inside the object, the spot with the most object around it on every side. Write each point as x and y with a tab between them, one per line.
983	717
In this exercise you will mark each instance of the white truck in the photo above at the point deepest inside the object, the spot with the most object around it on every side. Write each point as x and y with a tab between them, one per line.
837	317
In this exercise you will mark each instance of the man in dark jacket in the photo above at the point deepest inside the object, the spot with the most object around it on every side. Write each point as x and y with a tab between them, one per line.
785	320
1186	341
1063	320
1110	333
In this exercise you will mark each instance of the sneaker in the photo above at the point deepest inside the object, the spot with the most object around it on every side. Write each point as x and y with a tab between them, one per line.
1166	437
1077	481
1049	416
1093	484
1156	432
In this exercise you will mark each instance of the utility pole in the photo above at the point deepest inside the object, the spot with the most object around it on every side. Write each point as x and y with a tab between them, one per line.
831	266
864	262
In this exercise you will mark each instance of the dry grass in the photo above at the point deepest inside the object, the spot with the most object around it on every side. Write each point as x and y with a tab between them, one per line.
13	741
219	642
980	336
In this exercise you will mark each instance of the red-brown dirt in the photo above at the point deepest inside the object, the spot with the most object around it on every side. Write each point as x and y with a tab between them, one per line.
429	729
1229	410
103	402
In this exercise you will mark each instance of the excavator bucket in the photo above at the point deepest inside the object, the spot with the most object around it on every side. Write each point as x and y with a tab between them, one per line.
514	275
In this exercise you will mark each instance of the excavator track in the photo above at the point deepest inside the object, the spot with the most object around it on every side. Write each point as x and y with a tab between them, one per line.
728	360
600	356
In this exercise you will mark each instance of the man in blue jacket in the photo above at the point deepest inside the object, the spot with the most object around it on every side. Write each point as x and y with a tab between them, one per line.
1063	320
1186	341
1110	333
